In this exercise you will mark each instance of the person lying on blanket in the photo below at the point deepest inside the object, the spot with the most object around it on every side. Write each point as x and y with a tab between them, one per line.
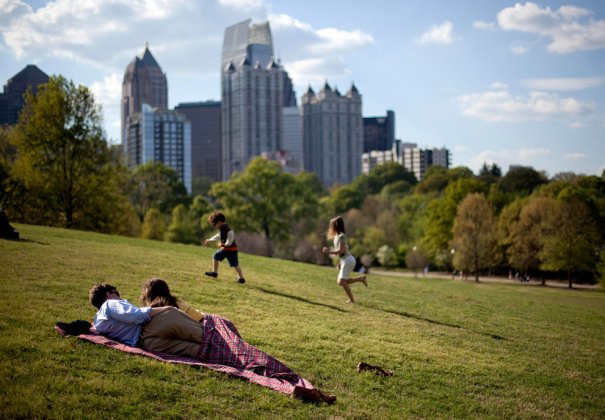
161	327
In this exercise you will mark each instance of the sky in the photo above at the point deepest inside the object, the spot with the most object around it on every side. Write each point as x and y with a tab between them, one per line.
493	81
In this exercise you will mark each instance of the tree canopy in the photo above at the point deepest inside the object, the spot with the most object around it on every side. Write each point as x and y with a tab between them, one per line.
63	161
264	199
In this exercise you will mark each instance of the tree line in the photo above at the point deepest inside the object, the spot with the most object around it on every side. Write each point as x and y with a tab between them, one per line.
57	169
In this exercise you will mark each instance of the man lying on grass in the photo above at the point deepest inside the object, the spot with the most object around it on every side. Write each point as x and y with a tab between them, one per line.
211	340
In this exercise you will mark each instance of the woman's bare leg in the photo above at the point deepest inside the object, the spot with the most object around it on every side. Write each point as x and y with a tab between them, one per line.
344	283
361	279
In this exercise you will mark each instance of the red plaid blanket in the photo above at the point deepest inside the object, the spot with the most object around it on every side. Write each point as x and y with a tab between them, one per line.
225	351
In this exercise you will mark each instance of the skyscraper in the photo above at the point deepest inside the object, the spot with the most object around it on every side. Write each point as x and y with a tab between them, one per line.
378	132
332	134
144	83
161	136
254	88
12	100
205	120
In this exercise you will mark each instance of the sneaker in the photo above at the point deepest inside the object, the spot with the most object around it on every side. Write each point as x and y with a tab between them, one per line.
241	280
211	274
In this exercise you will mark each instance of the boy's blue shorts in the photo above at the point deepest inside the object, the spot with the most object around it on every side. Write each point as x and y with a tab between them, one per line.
231	256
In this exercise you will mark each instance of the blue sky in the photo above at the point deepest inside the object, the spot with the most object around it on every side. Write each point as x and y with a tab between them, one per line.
494	81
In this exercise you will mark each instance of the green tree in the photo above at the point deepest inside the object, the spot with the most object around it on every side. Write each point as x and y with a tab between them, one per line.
62	153
153	225
312	180
344	198
198	212
522	180
383	175
415	259
201	186
490	173
507	222
440	218
182	227
411	217
264	199
435	180
474	239
528	233
571	243
155	185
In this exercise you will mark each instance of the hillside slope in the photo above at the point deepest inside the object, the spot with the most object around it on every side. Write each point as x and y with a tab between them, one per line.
457	349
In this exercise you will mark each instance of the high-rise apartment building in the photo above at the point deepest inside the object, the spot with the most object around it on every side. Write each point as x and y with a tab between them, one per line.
418	160
144	83
12	100
254	89
156	135
332	134
378	132
413	158
205	118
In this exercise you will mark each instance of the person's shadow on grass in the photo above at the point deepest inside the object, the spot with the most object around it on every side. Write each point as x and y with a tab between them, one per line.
298	298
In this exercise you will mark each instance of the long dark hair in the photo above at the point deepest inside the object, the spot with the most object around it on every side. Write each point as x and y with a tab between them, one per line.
337	226
156	293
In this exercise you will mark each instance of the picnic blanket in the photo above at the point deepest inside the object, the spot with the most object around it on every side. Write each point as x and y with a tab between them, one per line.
223	350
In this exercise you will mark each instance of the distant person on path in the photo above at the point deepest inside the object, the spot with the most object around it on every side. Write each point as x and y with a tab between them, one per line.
346	264
226	242
223	345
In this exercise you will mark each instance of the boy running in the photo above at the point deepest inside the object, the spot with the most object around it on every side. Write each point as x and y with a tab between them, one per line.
228	247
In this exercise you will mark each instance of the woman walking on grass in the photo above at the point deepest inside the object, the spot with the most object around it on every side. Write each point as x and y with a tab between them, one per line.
336	233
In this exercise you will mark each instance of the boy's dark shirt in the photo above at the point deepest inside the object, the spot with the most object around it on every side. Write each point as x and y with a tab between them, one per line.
224	229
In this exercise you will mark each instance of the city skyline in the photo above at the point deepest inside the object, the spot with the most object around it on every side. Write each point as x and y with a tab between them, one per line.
506	83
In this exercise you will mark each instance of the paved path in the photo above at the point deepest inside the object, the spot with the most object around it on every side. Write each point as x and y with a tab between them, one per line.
482	279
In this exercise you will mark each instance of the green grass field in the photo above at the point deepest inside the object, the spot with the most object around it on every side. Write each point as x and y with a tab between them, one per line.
456	349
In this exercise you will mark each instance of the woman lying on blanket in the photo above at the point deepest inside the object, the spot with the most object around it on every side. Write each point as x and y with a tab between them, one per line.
223	345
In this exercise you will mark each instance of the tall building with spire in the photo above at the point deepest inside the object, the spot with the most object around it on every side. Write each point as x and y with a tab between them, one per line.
150	131
332	134
255	89
144	83
12	99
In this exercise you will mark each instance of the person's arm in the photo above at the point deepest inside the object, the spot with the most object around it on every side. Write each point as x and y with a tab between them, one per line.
342	248
230	238
123	311
213	239
156	311
189	310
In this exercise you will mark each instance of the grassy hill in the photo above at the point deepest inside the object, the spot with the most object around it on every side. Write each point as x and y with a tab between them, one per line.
456	349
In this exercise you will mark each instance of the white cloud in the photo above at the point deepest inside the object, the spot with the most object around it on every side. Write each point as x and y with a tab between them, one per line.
283	21
460	148
243	4
575	156
501	106
567	28
314	55
504	158
107	93
575	124
107	34
519	49
302	39
109	90
438	34
498	86
478	24
564	83
316	71
334	40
